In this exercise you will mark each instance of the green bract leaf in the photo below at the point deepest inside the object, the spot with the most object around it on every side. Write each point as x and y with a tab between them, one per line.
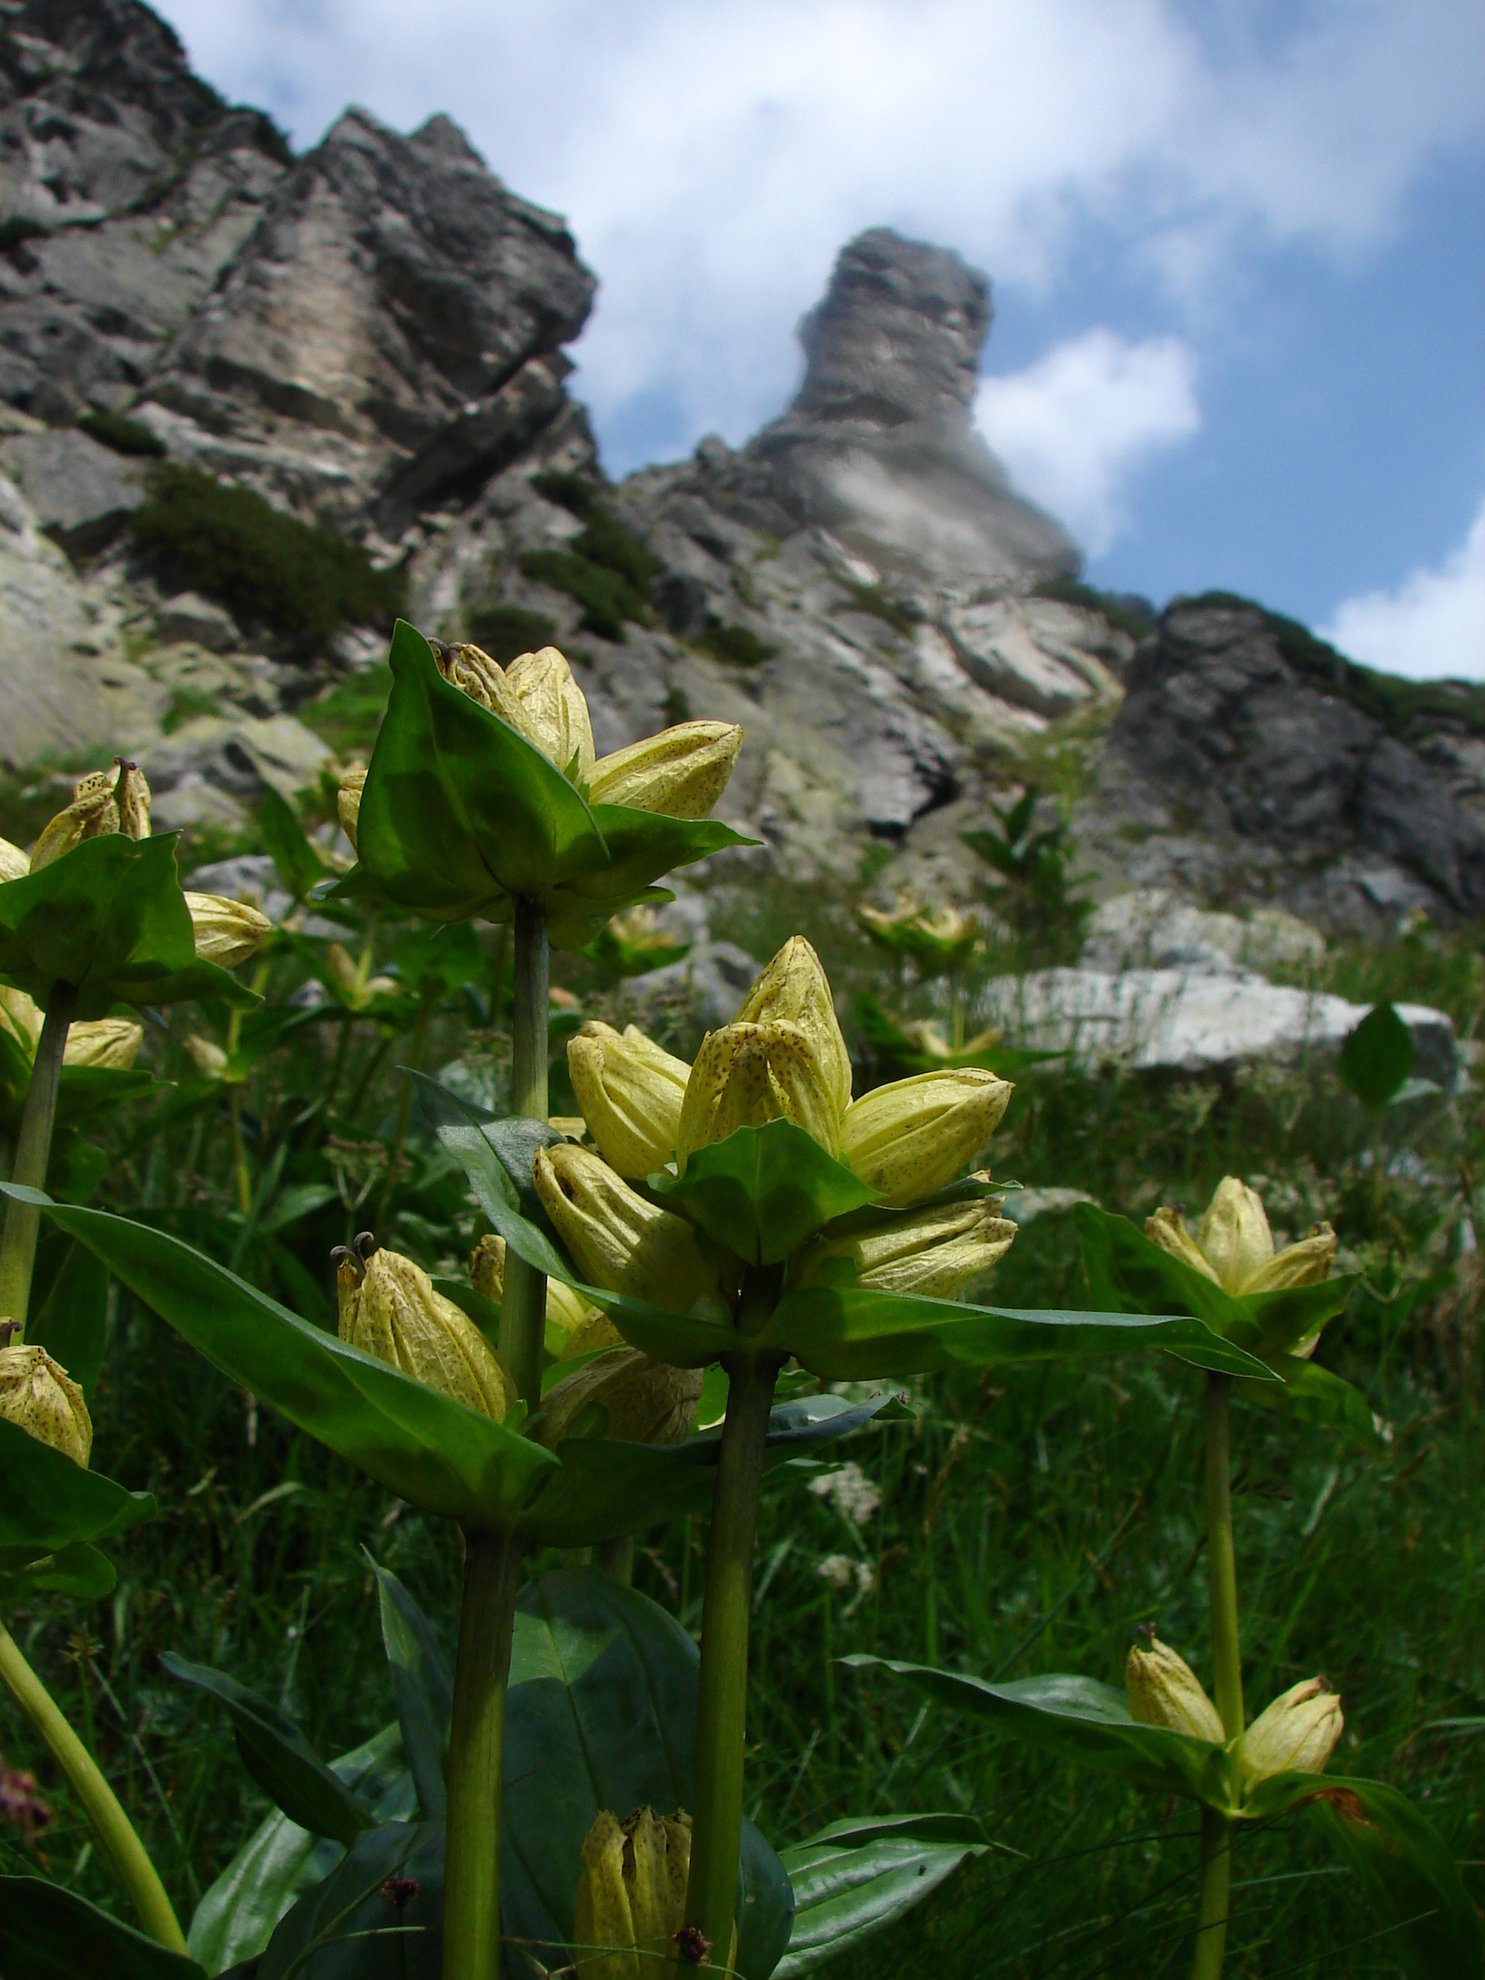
422	1684
603	1702
279	1757
461	814
1079	1719
69	1307
418	1443
344	1929
47	1933
1377	1057
856	1877
1129	1272
1399	1858
49	1502
109	918
764	1190
851	1333
1314	1395
279	1861
79	1570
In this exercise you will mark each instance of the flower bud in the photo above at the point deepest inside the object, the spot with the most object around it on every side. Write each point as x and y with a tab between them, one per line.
227	932
630	1090
206	1056
623	1395
109	1042
1234	1247
631	1898
567	1312
595	1334
746	1075
934	1253
93	811
474	673
132	794
1296	1735
38	1394
679	773
348	801
794	987
619	1239
14	864
552	709
20	1016
1165	1691
388	1308
909	1139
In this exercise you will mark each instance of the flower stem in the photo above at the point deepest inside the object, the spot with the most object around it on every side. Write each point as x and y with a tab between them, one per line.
116	1832
523	1301
1227	1663
711	1894
492	1561
471	1906
32	1153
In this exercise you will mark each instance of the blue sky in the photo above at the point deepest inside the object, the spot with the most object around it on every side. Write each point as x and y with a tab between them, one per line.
1238	251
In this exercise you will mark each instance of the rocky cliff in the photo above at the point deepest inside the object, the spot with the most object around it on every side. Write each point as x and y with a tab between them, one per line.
366	342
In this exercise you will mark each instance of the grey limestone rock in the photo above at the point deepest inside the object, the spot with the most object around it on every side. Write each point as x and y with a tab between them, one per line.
78	491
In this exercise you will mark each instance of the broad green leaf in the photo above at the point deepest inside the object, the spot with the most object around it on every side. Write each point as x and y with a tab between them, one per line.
1377	1057
422	1684
280	1861
461	814
604	1489
79	1570
344	1929
855	1333
84	1091
603	1711
69	1307
856	1877
1313	1395
298	863
764	1190
279	1757
1131	1274
1400	1860
1079	1719
109	918
437	958
49	1502
48	1933
430	1450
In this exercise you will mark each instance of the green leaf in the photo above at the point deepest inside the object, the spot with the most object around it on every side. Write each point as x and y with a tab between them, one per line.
603	1703
422	1684
1377	1057
1130	1273
856	1877
1315	1396
49	1502
764	1190
69	1307
297	862
48	1933
344	1929
427	1448
279	1757
80	1571
1401	1861
438	958
279	1861
109	918
854	1333
1081	1720
460	814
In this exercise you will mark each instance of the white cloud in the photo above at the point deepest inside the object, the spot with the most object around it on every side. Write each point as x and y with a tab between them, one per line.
712	159
1432	625
1077	425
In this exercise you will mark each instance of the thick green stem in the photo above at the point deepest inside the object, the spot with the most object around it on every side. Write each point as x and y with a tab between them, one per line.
1227	1664
32	1152
116	1832
524	1299
711	1894
471	1905
1216	1895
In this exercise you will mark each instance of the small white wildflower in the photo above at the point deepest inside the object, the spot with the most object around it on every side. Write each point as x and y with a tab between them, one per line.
843	1573
850	1491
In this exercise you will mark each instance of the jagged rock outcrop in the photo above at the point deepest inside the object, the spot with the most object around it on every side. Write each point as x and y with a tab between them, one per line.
1236	767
